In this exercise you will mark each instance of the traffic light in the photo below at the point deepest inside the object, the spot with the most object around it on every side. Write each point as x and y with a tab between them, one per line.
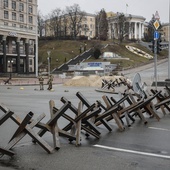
159	45
151	46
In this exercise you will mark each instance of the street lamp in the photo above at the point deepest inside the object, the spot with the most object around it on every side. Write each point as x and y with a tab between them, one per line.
49	61
10	66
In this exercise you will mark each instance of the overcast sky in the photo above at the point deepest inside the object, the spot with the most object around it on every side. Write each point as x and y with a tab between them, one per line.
143	8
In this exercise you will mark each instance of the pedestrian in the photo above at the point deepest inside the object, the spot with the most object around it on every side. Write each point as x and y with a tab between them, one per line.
41	81
50	82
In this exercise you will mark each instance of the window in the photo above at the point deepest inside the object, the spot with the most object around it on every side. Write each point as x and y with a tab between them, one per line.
6	23
14	5
14	25
21	17
29	0
30	61
21	7
21	26
14	16
30	9
30	69
30	19
5	3
6	16
21	42
31	42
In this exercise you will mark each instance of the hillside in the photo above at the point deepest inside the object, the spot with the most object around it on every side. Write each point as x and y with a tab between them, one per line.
62	51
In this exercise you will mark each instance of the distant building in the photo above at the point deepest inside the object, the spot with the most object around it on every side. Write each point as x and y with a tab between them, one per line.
165	32
18	32
63	27
135	25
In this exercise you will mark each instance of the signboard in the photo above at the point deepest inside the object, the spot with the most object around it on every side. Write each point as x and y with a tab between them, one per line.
108	55
109	68
156	24
156	35
14	34
94	64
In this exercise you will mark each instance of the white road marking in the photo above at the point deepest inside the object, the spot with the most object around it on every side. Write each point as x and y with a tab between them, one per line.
132	151
159	129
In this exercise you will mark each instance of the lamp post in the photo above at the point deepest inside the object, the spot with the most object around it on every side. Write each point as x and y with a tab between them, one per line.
10	66
49	61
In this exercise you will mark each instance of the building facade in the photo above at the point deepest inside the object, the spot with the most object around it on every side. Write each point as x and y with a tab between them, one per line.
134	25
62	26
18	36
165	32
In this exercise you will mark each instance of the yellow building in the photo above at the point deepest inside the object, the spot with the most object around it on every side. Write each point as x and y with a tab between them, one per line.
165	32
64	26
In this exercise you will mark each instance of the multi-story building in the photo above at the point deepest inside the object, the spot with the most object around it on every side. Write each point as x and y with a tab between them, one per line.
62	26
88	26
18	36
165	32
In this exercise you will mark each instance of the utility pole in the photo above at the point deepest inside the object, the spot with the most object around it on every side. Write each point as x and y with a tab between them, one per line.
155	62
49	62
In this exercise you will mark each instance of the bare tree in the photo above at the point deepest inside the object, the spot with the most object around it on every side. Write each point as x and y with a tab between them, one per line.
64	24
40	21
55	22
76	16
123	26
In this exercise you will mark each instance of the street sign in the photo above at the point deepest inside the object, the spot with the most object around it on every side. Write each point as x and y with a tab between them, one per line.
156	24
156	35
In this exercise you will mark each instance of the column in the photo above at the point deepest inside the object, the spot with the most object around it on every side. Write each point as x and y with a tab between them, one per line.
4	54
113	30
135	30
18	55
116	31
27	55
142	30
130	30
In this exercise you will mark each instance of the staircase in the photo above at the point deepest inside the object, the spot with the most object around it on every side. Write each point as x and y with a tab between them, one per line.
78	59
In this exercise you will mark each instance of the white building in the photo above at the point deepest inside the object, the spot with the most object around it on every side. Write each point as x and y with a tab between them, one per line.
134	25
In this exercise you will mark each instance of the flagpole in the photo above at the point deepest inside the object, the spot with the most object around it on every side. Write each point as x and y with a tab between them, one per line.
126	8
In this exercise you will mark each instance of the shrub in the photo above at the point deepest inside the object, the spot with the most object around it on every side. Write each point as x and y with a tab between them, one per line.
97	53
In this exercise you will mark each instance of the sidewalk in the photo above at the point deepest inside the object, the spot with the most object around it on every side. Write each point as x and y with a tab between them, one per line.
30	81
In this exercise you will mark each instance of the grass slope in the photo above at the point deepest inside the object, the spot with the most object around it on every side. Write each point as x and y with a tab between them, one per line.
62	51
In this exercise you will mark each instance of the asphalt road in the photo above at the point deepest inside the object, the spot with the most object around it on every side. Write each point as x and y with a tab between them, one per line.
139	147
